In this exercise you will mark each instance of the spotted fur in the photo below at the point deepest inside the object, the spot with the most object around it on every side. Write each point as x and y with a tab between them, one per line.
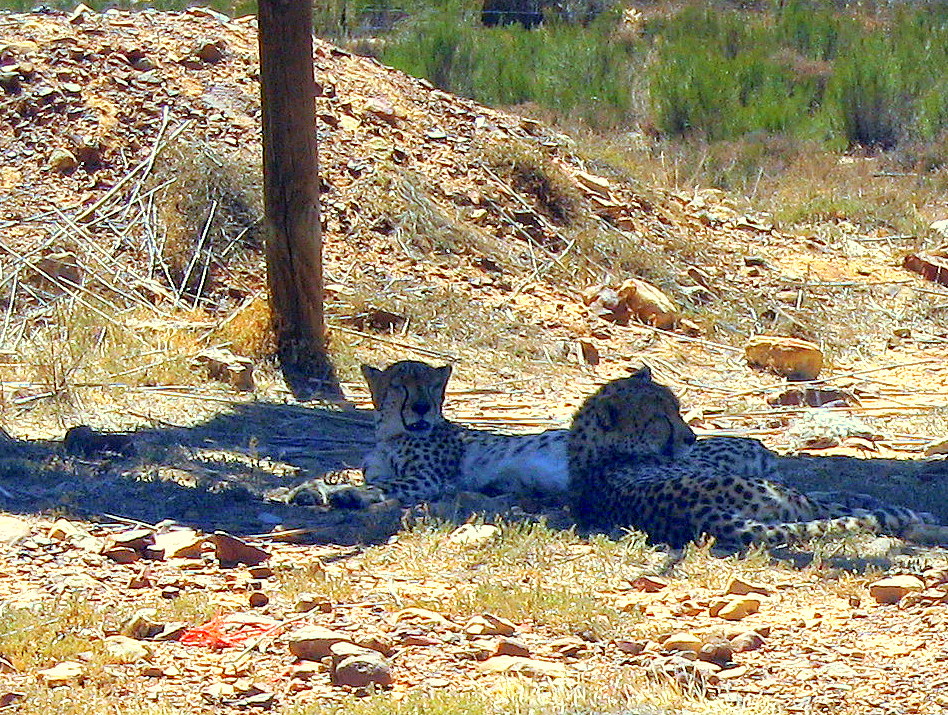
629	467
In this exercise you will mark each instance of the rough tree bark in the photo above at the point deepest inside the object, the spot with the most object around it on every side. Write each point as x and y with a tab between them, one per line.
291	188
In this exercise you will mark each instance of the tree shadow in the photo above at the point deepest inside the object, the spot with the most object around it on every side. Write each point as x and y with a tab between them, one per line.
235	470
230	472
311	377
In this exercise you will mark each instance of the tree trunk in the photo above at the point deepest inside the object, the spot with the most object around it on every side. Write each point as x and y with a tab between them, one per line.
291	185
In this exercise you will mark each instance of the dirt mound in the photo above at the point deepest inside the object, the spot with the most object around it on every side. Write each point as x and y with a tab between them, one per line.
492	202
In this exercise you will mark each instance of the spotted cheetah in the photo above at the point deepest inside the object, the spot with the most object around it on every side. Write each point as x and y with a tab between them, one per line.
421	456
629	466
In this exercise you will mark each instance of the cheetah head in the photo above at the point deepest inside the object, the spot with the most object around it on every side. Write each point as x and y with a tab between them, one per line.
407	396
629	418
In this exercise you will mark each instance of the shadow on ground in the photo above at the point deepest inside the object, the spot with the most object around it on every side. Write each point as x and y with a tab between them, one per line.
235	471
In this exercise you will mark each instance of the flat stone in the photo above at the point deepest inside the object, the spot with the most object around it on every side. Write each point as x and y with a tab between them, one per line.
231	550
648	304
527	667
363	670
141	624
180	544
793	358
740	587
683	642
743	642
122	649
630	647
473	534
64	673
13	529
315	642
894	588
736	608
511	646
489	625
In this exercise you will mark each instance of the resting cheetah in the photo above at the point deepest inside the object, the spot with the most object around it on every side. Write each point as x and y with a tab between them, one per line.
421	456
629	466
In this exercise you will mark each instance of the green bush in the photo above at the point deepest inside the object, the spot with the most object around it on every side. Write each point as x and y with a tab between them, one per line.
806	71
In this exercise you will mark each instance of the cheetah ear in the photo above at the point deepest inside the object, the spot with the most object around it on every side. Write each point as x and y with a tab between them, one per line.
644	374
373	376
443	373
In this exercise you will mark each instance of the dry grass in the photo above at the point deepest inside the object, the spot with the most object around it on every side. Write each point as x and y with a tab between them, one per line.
615	691
208	208
529	572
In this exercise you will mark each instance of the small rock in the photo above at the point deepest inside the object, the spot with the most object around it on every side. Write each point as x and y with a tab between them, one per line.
648	304
363	670
225	366
473	534
77	16
315	642
258	599
489	625
683	642
141	624
64	673
650	584
307	602
63	161
306	670
260	572
13	529
731	673
376	641
740	587
939	446
231	550
940	227
592	183
170	631
121	554
511	646
718	651
62	530
528	667
122	649
568	647
384	110
630	647
179	544
209	51
422	616
794	359
735	609
893	588
136	539
744	642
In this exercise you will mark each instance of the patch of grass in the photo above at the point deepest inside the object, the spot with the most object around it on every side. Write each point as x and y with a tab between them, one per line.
613	691
90	697
534	172
208	210
529	572
80	346
38	638
314	577
247	330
